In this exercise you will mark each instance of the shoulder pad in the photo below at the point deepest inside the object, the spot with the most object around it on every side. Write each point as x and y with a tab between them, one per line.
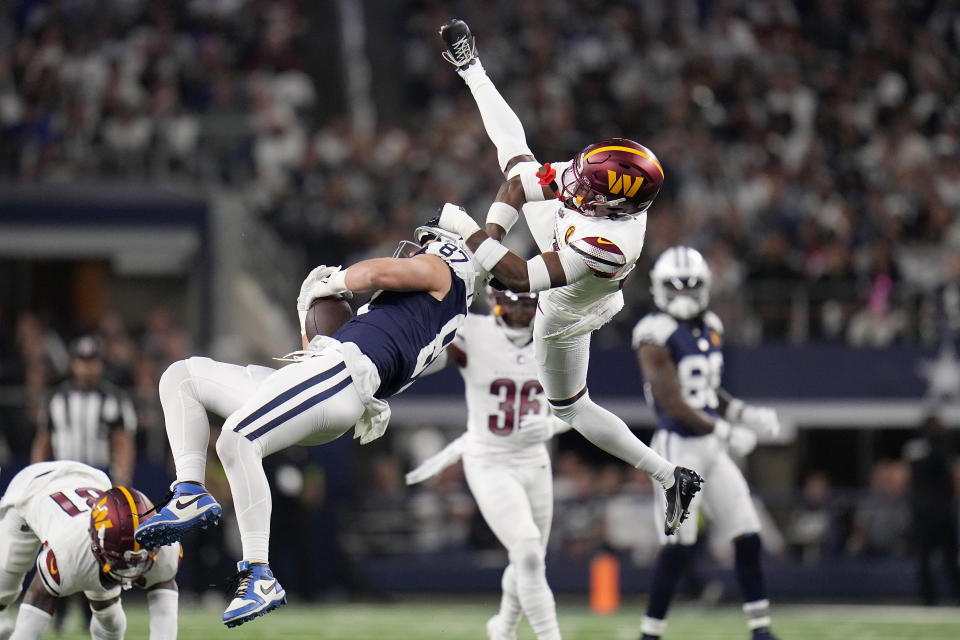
712	320
655	328
49	571
603	256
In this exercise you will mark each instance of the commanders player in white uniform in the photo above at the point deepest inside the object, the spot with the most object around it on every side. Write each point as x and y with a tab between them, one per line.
590	237
505	457
679	349
65	518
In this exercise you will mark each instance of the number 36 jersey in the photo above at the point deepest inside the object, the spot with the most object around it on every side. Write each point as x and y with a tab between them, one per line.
696	351
501	385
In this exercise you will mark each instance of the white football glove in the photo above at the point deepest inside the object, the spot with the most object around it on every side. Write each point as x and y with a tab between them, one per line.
762	420
535	428
321	282
436	463
456	219
741	442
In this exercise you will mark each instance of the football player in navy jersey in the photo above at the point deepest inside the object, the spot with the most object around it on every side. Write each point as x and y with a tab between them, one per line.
339	382
699	425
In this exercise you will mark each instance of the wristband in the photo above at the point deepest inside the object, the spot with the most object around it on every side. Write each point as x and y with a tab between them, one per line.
502	214
489	253
456	219
537	274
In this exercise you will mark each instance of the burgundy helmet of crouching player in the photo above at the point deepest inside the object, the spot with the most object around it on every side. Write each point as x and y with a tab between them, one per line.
613	177
114	517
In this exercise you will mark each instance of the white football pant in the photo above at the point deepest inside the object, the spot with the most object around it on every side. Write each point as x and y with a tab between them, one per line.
725	496
516	500
308	402
562	364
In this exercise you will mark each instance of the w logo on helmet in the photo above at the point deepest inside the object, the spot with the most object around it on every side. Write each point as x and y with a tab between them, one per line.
623	184
101	515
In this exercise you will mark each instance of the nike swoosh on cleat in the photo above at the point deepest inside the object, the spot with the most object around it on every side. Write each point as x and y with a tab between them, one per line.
267	591
183	505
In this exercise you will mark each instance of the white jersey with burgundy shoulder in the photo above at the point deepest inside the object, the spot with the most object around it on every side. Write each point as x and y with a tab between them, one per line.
610	247
54	498
501	384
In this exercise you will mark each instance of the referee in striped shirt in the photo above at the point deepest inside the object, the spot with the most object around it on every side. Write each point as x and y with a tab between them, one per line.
88	418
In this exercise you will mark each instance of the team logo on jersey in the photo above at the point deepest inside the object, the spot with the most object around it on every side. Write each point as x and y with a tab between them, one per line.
623	184
566	236
52	569
702	344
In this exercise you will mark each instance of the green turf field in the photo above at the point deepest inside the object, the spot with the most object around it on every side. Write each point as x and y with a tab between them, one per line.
459	621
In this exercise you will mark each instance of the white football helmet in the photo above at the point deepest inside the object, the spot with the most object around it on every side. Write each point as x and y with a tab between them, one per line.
514	313
680	282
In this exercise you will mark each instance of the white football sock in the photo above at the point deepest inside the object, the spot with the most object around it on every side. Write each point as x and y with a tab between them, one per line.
162	605
510	610
31	623
243	463
612	434
188	429
532	589
109	623
502	125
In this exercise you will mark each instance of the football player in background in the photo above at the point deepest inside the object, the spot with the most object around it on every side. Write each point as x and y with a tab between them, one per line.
337	383
591	236
65	517
701	425
505	458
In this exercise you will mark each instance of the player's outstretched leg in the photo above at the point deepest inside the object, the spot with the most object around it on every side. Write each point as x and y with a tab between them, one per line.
502	125
686	485
255	592
187	507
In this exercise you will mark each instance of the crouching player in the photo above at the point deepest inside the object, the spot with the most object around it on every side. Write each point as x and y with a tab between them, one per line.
680	355
67	518
505	460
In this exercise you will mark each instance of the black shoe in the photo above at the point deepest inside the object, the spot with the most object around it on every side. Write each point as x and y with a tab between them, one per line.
647	636
686	483
762	633
461	47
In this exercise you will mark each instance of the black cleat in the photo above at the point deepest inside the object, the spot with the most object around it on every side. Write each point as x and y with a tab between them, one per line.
686	484
461	47
763	633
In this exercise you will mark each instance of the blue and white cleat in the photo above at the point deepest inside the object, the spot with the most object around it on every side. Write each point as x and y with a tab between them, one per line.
189	506
257	592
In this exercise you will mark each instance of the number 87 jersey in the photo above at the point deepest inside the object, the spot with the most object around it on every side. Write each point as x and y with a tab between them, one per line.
501	383
695	347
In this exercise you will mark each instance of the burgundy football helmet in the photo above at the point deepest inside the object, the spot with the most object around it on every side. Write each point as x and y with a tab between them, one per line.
614	177
113	519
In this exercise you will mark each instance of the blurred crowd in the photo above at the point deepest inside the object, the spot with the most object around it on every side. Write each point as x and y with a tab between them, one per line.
812	148
35	356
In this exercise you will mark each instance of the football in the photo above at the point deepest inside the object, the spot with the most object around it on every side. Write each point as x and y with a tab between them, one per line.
326	315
